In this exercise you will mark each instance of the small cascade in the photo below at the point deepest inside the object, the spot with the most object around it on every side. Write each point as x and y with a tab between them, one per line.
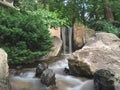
27	80
70	40
66	35
64	40
69	82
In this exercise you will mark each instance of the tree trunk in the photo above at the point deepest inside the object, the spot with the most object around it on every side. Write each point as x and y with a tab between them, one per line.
108	11
44	4
96	11
73	12
73	21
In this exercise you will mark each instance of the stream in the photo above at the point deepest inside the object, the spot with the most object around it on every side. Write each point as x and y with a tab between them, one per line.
26	80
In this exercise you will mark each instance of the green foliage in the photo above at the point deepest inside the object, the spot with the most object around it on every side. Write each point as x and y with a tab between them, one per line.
65	11
25	37
84	11
48	18
36	9
106	27
27	5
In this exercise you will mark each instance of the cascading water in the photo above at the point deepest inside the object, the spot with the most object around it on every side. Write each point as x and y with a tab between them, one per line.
68	82
64	40
70	40
66	34
26	80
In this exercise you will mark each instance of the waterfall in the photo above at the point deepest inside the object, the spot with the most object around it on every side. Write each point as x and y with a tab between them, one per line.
66	34
64	40
70	40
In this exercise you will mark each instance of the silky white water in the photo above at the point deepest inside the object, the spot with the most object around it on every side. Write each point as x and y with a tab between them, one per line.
66	34
64	40
68	82
70	40
26	80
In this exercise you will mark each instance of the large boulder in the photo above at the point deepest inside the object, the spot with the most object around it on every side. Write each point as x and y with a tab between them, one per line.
100	52
48	77
4	72
57	45
55	32
105	80
56	49
81	35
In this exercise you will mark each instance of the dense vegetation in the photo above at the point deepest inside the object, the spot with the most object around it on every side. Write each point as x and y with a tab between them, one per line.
94	14
100	15
25	36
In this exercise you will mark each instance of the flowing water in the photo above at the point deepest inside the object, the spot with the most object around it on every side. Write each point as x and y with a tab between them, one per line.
27	81
64	40
70	40
66	34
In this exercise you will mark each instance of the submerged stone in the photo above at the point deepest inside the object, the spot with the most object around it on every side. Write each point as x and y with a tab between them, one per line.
105	80
40	68
48	77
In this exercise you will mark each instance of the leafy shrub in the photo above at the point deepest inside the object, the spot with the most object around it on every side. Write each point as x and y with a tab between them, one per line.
49	18
106	27
24	37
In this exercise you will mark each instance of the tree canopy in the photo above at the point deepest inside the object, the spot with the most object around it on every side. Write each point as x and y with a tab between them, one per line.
88	12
